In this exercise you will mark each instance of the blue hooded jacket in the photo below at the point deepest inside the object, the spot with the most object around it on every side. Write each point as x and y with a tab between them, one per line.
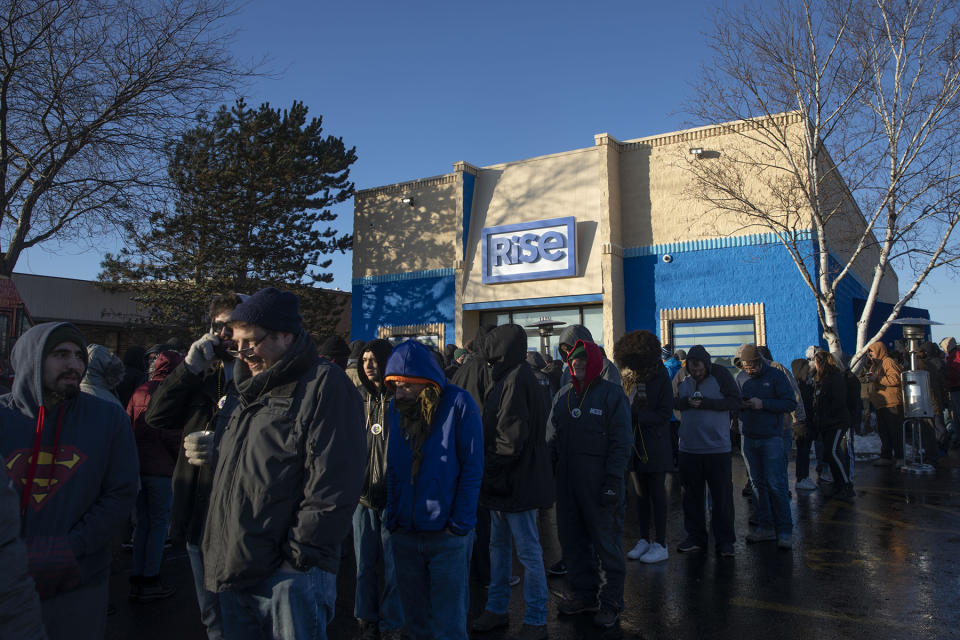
445	492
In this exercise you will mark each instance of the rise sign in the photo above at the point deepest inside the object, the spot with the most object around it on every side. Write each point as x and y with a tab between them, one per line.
529	251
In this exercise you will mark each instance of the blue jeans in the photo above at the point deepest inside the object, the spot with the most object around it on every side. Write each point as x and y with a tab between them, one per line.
288	605
769	476
433	569
373	547
208	600
153	518
519	528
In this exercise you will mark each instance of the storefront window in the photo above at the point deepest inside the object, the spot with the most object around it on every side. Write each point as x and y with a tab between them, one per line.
721	330
591	317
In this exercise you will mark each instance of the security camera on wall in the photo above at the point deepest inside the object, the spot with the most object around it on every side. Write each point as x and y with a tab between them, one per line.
667	258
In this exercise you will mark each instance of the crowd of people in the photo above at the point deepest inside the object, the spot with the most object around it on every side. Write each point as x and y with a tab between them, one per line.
262	453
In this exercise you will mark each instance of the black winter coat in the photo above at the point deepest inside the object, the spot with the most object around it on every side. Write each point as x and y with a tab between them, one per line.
375	401
474	377
517	473
651	408
830	402
190	402
288	474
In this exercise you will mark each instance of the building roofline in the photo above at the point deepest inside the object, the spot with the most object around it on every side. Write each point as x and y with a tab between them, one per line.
657	140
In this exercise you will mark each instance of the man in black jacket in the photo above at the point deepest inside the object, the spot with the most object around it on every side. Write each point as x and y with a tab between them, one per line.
287	480
198	396
517	480
592	447
380	613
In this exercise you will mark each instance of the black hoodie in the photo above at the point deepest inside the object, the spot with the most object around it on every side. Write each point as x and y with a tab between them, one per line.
375	401
517	474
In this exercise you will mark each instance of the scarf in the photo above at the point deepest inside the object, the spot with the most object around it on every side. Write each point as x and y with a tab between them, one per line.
416	417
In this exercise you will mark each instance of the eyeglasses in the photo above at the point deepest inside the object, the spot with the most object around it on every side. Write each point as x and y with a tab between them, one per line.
246	352
218	327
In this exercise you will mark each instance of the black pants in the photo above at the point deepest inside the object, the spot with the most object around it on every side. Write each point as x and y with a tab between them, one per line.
837	456
588	532
712	470
652	491
480	561
890	427
802	468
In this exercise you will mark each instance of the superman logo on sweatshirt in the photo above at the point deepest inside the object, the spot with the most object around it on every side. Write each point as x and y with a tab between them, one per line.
51	474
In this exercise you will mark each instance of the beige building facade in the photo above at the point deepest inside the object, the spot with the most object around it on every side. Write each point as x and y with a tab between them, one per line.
435	258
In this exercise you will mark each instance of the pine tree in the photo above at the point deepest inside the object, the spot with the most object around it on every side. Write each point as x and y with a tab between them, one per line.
252	190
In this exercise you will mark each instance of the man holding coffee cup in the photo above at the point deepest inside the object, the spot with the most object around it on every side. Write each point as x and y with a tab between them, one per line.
286	479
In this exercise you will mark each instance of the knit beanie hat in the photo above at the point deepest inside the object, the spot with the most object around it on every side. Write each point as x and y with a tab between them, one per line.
459	352
272	309
579	352
666	351
747	352
65	333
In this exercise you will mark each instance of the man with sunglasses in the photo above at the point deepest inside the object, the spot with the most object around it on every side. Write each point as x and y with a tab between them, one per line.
198	397
288	475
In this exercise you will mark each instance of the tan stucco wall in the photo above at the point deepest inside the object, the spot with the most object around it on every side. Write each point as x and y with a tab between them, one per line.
844	232
392	237
564	184
659	206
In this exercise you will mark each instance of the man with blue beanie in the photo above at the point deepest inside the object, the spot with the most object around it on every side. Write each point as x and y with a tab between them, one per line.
287	478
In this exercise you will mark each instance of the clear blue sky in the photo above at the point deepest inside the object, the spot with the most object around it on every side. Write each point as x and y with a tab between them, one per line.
417	86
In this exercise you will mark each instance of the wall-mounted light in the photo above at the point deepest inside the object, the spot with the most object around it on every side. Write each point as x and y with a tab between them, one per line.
667	258
407	200
696	152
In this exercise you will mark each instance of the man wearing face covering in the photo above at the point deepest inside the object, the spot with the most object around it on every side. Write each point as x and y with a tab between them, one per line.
434	468
517	481
591	450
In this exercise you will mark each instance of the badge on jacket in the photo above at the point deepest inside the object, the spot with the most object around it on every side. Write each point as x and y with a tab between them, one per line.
376	429
222	401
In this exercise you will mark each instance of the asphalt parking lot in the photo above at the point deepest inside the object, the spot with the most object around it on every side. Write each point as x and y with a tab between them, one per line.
886	565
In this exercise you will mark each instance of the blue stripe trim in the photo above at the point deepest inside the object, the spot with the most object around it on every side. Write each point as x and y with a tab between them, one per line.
533	302
707	244
397	277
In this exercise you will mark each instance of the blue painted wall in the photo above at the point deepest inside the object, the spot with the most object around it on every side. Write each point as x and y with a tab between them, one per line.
721	276
409	299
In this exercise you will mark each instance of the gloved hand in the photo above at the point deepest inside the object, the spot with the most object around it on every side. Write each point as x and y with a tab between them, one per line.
610	491
199	447
201	354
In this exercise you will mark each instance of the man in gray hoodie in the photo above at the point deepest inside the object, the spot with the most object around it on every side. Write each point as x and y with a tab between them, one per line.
73	462
706	394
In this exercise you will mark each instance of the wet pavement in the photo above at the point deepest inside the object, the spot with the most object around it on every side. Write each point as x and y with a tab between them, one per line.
886	565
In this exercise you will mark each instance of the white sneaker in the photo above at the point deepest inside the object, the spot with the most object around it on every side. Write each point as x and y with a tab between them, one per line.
640	549
656	553
805	485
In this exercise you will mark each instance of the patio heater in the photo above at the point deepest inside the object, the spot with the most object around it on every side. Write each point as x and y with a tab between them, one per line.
545	326
917	397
